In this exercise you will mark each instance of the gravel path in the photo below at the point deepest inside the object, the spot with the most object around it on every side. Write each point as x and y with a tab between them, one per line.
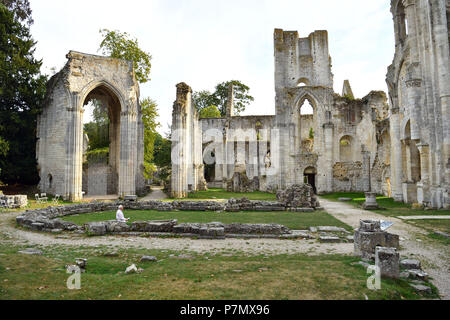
156	194
435	257
248	246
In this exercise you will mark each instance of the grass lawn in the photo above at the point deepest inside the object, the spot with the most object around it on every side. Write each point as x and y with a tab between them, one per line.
217	193
393	208
293	220
220	277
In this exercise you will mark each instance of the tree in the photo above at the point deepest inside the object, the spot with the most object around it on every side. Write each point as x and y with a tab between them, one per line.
22	92
219	97
209	112
203	99
118	44
149	114
20	8
98	129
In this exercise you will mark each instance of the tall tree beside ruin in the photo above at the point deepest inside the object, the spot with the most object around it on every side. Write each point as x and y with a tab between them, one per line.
149	114
219	97
22	92
209	112
119	45
20	8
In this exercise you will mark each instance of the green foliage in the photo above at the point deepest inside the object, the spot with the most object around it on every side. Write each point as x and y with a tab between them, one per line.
20	8
118	44
22	92
98	130
209	112
4	146
203	99
149	114
100	155
311	133
219	97
163	150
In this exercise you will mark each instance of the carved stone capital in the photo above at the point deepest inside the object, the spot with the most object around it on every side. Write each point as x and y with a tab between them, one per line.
413	83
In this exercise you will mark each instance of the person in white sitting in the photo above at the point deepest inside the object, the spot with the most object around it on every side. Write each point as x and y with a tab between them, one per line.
119	215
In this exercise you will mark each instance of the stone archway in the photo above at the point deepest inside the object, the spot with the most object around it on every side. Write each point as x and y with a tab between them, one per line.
309	175
60	126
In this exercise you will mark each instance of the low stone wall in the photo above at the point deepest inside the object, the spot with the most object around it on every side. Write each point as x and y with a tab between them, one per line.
15	201
47	219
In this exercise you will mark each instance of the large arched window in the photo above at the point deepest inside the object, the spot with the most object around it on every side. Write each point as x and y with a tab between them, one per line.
101	118
346	149
401	22
306	125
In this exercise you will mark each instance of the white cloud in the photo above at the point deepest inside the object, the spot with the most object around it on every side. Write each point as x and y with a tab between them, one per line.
205	42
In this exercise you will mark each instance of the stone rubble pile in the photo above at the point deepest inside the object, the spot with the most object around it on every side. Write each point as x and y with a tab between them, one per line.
298	196
15	201
369	236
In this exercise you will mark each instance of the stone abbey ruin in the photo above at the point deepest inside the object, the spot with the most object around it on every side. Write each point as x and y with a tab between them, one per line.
396	144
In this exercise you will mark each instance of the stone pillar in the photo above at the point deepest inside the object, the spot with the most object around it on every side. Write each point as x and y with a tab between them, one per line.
75	153
424	184
328	141
230	101
365	168
413	77
396	156
442	53
128	155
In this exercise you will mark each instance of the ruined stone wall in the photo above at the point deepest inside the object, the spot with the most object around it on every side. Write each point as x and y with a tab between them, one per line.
187	165
60	126
419	92
241	145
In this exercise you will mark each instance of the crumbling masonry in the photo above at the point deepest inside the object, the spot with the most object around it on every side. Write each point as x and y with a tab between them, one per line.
60	128
398	147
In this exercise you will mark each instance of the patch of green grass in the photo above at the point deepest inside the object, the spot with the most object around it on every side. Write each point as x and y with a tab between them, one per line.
391	207
292	220
217	193
274	277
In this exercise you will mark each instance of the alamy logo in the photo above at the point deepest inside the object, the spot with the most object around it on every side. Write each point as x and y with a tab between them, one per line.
259	149
74	281
374	281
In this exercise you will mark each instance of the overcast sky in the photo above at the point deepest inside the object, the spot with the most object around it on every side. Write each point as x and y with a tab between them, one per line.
205	42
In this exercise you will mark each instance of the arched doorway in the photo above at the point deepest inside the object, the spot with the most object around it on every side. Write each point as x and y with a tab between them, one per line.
102	126
309	176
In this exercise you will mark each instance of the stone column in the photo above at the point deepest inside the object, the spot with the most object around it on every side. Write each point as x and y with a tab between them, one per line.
423	185
365	168
74	171
413	77
396	156
442	53
328	140
128	152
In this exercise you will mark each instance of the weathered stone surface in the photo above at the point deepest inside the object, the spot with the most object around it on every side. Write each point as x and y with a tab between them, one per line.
131	269
332	239
387	259
31	251
369	236
331	229
418	274
239	228
421	288
410	264
345	199
298	195
148	259
96	228
59	143
153	226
